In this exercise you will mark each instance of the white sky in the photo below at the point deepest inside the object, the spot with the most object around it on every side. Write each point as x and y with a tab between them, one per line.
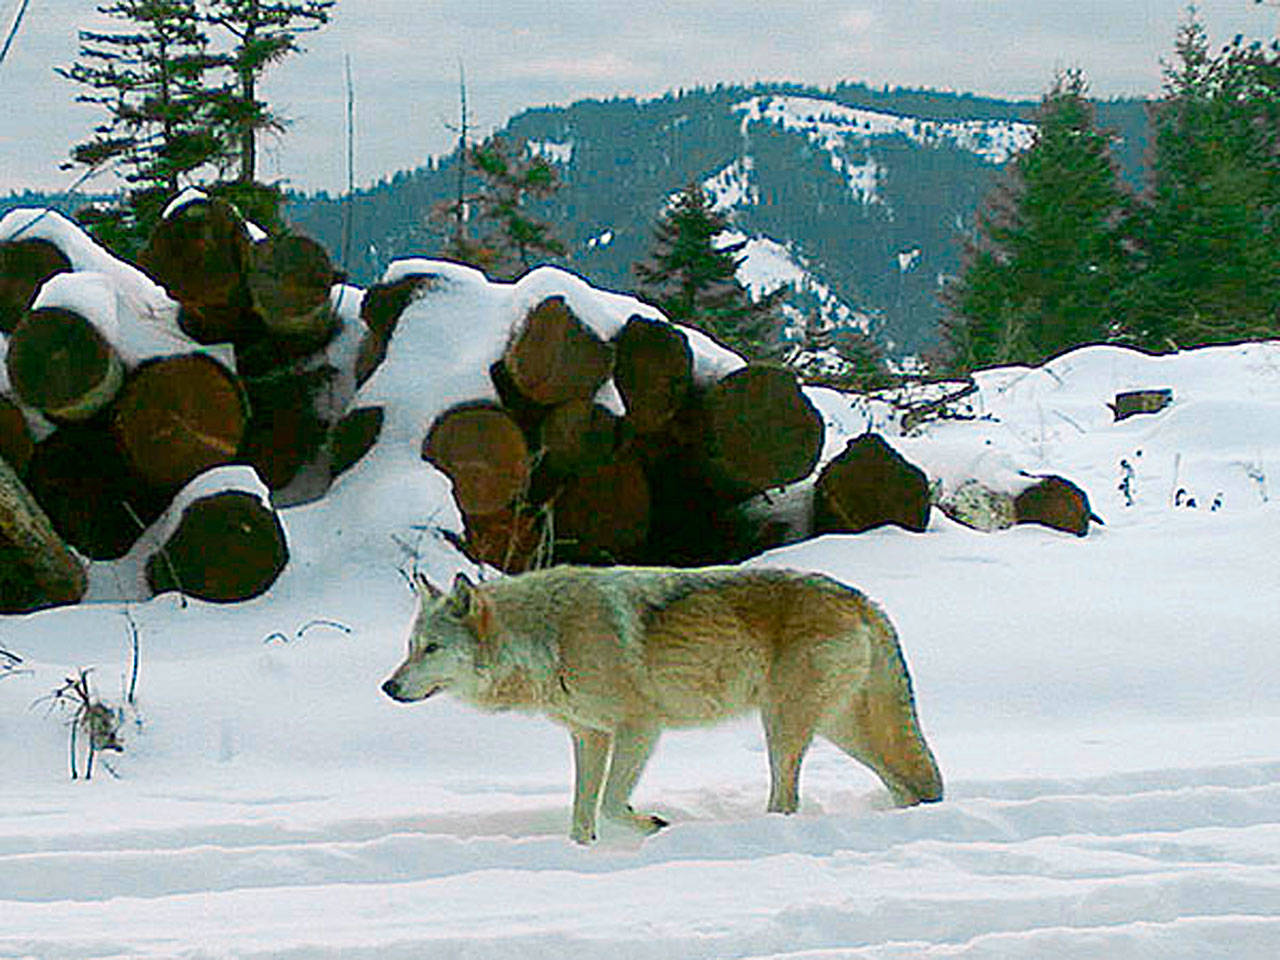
521	53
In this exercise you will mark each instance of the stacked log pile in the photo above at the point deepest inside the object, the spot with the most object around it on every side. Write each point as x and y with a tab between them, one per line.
550	473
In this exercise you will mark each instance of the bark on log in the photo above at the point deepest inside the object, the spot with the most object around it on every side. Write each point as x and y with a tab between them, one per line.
483	451
352	437
36	568
380	310
200	255
554	357
289	278
509	539
24	266
1140	401
179	416
603	516
85	485
578	436
759	430
868	485
16	442
228	547
62	366
1055	502
653	370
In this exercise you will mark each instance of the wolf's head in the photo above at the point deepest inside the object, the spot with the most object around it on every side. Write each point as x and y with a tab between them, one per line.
444	649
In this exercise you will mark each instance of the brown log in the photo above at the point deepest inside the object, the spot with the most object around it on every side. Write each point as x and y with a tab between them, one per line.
653	370
1054	502
555	357
1140	401
380	310
578	436
200	255
16	442
483	451
284	431
869	485
352	437
62	366
759	430
289	278
178	416
603	516
87	489
228	547
36	568
24	266
510	539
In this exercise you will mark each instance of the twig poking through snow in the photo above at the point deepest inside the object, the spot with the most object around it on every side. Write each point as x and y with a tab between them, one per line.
282	638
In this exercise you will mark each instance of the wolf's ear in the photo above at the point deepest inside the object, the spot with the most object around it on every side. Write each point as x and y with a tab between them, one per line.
425	587
463	599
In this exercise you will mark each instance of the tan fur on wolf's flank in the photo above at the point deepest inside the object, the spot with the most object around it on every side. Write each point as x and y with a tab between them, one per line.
617	654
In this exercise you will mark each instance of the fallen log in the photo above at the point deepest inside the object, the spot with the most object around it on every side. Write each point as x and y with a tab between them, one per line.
1132	402
869	485
380	310
178	416
352	437
577	436
483	451
61	365
602	516
36	568
284	431
1057	503
653	370
509	539
227	547
758	430
16	442
554	356
24	266
289	278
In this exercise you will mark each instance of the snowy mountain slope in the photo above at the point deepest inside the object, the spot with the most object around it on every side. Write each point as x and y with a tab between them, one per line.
1104	711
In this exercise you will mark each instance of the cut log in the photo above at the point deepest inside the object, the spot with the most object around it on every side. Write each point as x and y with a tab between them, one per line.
603	516
24	266
653	370
380	310
85	485
525	412
289	278
36	568
1055	502
759	430
228	547
16	442
555	357
1140	401
578	436
869	485
352	437
284	431
483	451
511	540
179	416
62	366
200	255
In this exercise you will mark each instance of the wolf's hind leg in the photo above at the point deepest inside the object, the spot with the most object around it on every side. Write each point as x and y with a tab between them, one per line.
879	729
632	747
590	759
788	731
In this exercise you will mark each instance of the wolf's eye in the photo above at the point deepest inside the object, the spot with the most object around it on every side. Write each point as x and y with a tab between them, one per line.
431	648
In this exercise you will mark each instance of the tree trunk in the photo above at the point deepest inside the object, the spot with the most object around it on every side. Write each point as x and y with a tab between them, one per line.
868	485
758	431
578	436
653	370
228	547
289	279
603	516
483	451
36	568
554	357
24	266
179	416
380	310
16	443
352	437
62	366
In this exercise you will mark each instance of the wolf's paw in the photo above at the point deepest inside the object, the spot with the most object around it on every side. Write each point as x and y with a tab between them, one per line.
645	823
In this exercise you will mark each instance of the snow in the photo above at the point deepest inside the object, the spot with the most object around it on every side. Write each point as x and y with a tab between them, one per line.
1104	710
552	151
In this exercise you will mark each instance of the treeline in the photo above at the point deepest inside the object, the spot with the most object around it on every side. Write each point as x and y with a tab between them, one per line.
1068	252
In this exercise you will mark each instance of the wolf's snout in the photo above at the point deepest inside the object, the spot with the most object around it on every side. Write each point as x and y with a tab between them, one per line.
392	690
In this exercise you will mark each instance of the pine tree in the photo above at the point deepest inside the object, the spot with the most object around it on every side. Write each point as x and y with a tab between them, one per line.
1210	237
692	277
1049	259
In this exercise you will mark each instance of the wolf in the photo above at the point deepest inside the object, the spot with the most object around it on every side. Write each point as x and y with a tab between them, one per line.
617	654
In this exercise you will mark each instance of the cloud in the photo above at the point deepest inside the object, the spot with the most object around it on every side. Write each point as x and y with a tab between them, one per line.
604	67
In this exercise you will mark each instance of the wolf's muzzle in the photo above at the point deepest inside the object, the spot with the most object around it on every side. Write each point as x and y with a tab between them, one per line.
392	690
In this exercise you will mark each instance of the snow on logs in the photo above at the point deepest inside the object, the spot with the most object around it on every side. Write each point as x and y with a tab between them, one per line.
551	471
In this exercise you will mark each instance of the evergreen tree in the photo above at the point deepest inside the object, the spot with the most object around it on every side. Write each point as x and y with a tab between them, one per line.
1049	259
1210	238
693	278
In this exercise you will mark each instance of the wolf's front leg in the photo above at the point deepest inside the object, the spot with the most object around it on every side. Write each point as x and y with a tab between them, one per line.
632	747
590	758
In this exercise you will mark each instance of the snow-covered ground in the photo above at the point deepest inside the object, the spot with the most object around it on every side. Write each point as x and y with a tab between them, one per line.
1105	710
